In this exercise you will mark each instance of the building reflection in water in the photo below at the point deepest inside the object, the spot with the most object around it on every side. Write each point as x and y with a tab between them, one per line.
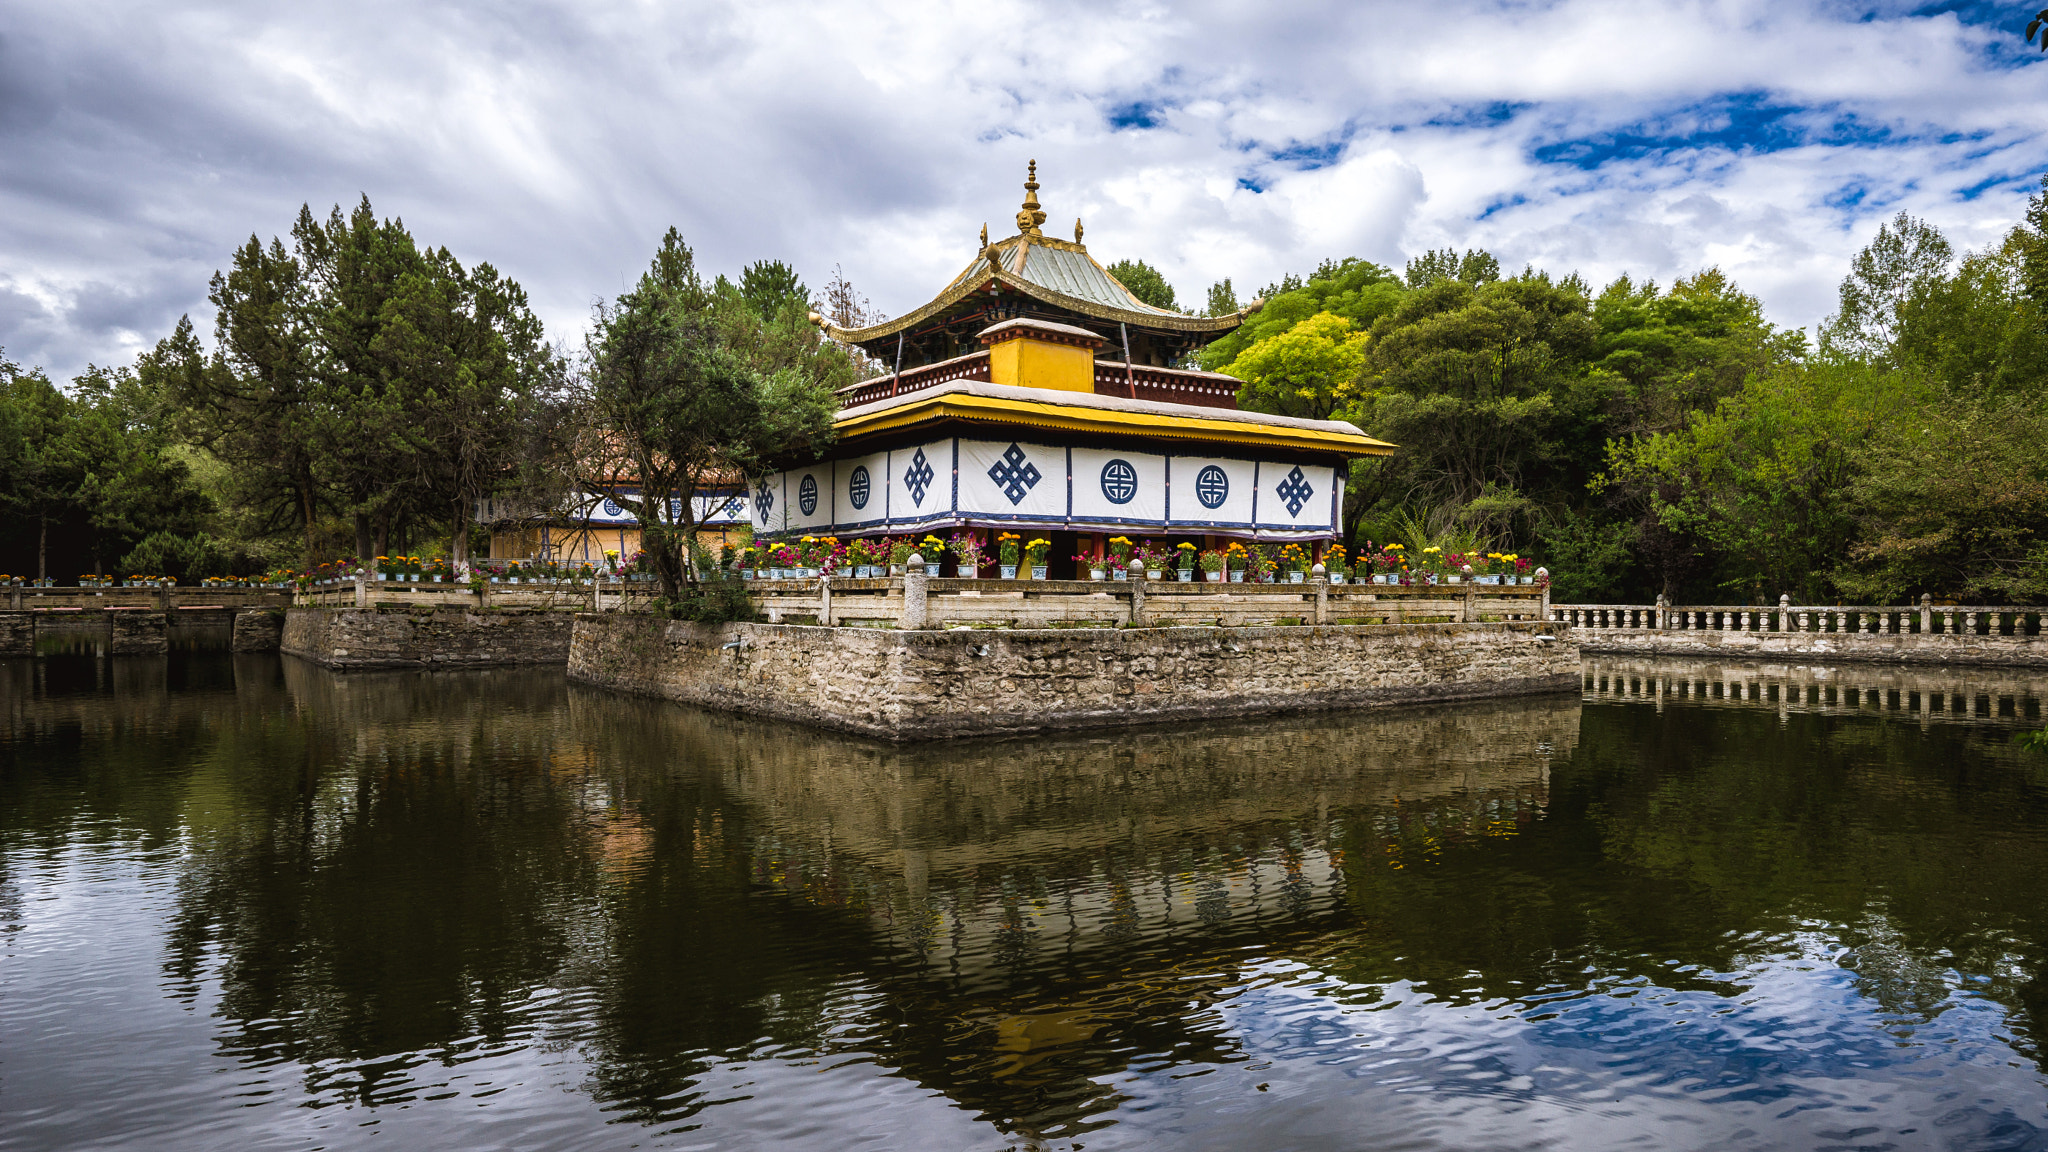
384	880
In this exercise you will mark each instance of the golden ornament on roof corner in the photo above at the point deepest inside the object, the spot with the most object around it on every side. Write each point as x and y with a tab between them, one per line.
1030	216
1077	229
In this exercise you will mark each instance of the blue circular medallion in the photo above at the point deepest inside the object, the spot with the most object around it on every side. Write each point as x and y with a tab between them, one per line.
807	494
1119	482
612	509
857	487
1212	487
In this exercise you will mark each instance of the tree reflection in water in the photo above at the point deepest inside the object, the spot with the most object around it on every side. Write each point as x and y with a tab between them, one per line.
383	877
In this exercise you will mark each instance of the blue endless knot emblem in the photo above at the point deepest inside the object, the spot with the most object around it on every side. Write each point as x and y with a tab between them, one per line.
764	498
1014	474
1295	490
733	507
918	478
807	494
1212	487
611	508
857	487
1119	482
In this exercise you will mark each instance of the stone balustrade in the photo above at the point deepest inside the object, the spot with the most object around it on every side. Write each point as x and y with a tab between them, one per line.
1922	633
920	601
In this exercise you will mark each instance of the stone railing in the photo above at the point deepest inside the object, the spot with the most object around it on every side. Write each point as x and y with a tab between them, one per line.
973	366
1112	378
1922	633
922	601
602	594
1168	385
1925	619
918	600
76	599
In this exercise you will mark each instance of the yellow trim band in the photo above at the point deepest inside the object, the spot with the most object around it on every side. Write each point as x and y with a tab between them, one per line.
960	406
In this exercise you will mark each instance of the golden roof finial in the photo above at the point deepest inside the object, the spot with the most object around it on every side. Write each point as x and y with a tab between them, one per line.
1030	217
984	236
1077	229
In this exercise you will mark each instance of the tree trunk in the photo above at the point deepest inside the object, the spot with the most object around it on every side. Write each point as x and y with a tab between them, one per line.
306	515
458	537
383	542
43	551
364	554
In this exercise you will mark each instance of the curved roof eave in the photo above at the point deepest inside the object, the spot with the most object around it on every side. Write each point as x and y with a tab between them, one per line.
967	285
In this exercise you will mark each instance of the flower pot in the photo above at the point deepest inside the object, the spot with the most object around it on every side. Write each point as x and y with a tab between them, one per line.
968	571
1296	577
1486	579
1237	576
1009	571
895	569
381	576
1336	577
1120	574
1187	575
1526	579
1038	571
1096	573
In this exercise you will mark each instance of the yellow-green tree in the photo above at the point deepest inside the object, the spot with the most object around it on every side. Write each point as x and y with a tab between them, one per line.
1309	371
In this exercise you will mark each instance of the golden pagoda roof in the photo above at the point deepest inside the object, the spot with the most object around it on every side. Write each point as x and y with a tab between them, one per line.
978	401
1056	272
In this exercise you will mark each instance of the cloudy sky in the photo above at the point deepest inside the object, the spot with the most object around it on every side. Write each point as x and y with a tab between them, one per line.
141	141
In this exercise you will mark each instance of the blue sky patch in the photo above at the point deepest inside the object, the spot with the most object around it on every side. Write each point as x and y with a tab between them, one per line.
1745	122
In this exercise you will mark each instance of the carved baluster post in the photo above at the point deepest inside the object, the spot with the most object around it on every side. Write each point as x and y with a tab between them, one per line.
916	592
1926	613
1319	576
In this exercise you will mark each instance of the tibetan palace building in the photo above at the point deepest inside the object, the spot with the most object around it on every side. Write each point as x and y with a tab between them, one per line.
1037	395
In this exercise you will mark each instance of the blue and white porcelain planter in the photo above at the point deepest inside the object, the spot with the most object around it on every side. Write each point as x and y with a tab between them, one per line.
1038	571
1009	571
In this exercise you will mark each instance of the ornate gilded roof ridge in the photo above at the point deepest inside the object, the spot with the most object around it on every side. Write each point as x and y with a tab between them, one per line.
1175	321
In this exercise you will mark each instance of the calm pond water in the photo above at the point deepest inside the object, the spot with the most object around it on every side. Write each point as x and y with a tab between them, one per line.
246	903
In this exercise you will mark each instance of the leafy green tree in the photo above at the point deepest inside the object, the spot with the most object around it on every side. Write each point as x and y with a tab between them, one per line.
46	462
1474	384
250	403
1952	499
366	429
1907	257
1357	290
1145	283
769	287
1222	299
1977	331
1440	264
683	388
475	366
1764	479
1309	371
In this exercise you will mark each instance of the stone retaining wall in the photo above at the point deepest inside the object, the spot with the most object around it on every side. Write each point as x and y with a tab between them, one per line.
933	684
17	634
260	631
137	632
425	638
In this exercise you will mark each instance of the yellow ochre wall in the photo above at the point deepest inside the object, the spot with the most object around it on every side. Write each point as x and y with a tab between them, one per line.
1029	363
